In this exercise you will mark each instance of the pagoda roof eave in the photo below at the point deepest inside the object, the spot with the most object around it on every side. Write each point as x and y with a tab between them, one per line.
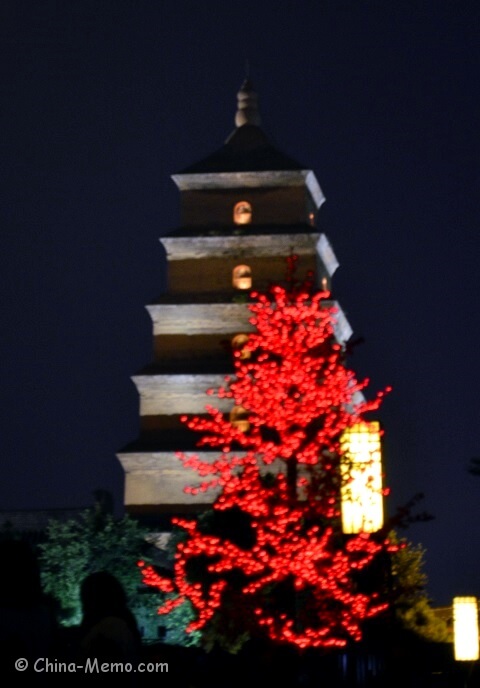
201	181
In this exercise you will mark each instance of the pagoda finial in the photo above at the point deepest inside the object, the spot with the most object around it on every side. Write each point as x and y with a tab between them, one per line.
247	103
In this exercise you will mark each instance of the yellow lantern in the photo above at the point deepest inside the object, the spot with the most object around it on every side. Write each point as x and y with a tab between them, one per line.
465	628
361	470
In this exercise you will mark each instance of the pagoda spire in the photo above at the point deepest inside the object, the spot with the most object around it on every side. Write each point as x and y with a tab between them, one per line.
247	105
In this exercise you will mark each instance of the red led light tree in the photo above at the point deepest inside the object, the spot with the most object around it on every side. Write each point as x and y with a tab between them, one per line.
271	556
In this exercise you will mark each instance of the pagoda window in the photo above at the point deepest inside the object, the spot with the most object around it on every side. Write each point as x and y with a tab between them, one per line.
239	418
242	277
242	213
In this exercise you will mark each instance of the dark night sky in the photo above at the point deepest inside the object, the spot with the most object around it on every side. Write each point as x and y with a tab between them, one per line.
102	101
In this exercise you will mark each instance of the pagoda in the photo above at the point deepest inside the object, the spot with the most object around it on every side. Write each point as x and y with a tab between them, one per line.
244	209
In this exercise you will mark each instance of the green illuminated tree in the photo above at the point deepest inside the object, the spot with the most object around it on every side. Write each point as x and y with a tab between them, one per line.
98	542
93	542
411	603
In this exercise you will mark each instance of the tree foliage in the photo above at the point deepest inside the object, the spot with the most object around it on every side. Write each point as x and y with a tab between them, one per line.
271	557
94	542
98	542
409	587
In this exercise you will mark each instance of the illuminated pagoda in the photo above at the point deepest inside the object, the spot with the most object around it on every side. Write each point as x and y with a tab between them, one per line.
244	209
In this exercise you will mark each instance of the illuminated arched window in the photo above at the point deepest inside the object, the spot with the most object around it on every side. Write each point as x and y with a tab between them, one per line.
238	344
242	277
242	213
239	418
